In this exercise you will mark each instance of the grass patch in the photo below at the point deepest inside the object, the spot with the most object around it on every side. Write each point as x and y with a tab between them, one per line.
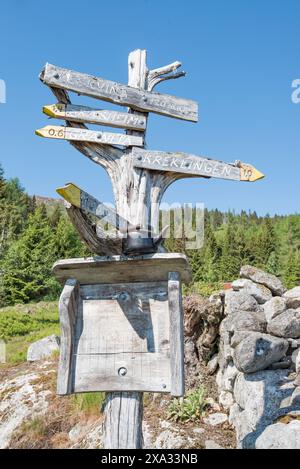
36	427
203	289
190	408
89	402
21	325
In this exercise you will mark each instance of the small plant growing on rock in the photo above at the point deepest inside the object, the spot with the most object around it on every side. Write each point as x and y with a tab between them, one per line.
190	408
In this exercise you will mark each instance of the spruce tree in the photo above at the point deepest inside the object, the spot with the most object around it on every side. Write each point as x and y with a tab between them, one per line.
26	268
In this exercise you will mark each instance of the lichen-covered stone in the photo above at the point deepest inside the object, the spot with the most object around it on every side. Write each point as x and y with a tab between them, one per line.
263	278
258	351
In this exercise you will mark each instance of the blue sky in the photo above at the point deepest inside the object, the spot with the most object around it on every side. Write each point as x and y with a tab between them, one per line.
240	56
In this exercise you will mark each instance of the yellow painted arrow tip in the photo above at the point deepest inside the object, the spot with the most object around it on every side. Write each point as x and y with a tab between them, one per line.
39	132
249	173
259	175
48	110
71	193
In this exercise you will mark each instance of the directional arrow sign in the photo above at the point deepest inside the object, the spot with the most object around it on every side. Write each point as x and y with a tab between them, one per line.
117	93
193	165
86	114
88	203
73	133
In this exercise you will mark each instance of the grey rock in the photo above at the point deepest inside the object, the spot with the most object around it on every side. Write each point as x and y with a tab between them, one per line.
294	343
92	437
234	412
295	355
295	397
292	297
229	374
258	351
263	278
274	307
211	444
238	336
236	301
169	440
280	436
284	363
218	418
259	292
43	348
261	398
287	324
226	399
248	321
213	364
198	430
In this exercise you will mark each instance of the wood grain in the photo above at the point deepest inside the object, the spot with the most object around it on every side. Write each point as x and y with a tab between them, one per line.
176	335
123	421
68	305
118	269
85	114
83	135
117	93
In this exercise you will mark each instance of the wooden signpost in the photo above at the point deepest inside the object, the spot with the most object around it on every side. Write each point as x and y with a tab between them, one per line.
86	202
71	133
116	93
192	165
121	315
89	115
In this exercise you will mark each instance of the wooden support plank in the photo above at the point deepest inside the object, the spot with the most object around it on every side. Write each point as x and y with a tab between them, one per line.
85	114
84	135
176	335
123	420
193	165
117	93
81	199
68	305
118	269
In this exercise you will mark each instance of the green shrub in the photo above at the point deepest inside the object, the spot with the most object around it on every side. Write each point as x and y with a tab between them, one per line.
190	408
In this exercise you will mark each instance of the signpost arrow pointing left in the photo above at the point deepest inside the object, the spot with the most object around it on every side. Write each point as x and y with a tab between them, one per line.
81	199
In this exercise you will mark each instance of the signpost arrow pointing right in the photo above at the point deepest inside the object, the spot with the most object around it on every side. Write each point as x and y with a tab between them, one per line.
192	165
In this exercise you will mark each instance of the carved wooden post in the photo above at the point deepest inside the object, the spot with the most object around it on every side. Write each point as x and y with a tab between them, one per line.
121	315
124	410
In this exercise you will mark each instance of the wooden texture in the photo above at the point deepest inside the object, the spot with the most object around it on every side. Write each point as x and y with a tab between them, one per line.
118	269
176	335
85	114
123	421
97	240
68	304
193	165
138	192
70	133
122	328
117	93
81	199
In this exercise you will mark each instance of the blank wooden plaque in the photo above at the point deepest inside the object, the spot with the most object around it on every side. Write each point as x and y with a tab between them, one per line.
121	338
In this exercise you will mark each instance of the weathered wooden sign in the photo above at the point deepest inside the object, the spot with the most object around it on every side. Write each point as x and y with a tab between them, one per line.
117	93
193	165
77	134
76	113
90	204
121	315
119	333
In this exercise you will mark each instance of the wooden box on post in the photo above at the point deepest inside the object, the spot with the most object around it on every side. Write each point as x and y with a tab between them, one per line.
122	323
